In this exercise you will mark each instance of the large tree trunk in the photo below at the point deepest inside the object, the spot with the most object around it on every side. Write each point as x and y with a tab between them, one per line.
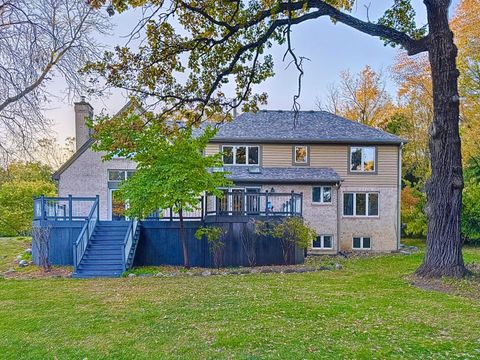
444	188
183	239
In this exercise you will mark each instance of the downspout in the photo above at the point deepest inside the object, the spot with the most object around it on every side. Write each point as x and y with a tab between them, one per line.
399	192
338	217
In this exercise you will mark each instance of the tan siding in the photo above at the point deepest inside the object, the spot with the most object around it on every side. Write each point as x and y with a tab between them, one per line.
212	149
277	155
335	156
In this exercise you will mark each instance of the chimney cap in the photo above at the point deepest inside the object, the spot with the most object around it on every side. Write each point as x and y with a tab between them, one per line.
83	101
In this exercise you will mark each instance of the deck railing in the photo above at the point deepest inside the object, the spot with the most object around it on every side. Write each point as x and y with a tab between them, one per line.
83	238
255	203
129	243
62	208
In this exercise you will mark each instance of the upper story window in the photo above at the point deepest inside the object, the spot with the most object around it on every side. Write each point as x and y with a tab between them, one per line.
300	155
363	159
360	204
322	194
240	155
119	175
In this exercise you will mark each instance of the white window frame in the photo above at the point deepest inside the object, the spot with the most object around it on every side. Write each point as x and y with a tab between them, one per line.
321	195
307	156
362	243
362	162
322	242
119	170
247	153
366	204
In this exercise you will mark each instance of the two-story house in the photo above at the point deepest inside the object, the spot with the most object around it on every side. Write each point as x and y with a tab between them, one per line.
345	175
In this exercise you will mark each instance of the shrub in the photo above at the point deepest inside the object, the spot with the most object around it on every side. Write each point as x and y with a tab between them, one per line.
215	236
291	231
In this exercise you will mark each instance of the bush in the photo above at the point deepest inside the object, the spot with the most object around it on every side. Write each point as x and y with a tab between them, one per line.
215	236
291	231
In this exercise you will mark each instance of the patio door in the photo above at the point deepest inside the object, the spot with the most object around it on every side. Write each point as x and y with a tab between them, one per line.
117	206
239	201
232	202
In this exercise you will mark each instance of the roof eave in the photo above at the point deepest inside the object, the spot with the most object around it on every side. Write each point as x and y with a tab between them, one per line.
397	142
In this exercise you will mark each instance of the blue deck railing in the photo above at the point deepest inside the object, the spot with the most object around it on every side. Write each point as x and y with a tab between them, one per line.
62	208
83	238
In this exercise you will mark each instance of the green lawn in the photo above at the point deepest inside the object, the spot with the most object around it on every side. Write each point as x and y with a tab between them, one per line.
367	310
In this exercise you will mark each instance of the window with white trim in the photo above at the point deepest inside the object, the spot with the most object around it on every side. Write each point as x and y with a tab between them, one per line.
362	159
360	204
362	243
300	153
322	194
240	155
323	242
119	175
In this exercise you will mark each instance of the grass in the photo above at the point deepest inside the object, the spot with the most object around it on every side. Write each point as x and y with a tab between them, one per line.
367	310
10	248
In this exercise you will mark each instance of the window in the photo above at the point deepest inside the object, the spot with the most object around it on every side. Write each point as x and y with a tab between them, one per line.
323	242
300	155
240	155
360	204
362	243
322	194
362	159
119	175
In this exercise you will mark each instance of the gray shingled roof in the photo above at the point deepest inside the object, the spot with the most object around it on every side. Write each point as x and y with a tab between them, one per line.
312	127
282	175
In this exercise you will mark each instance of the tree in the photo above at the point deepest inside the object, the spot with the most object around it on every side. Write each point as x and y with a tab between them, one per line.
467	34
41	40
216	41
19	183
361	97
171	171
51	153
415	112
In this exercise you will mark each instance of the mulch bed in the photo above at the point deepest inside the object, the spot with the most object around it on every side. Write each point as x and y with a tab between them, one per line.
468	287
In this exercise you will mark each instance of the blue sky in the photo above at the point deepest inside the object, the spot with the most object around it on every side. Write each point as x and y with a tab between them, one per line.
330	48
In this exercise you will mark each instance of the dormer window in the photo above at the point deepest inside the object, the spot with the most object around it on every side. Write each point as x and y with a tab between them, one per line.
363	159
300	155
240	155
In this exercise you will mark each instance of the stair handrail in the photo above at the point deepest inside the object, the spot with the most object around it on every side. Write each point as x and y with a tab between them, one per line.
83	238
128	243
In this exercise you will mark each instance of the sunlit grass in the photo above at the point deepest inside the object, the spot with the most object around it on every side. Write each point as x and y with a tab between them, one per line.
367	310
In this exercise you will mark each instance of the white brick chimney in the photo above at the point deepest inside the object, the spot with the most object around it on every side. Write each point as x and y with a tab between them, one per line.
83	110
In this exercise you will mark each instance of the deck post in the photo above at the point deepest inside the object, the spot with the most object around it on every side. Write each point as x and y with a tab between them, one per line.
301	203
70	205
42	207
203	207
266	203
292	202
97	200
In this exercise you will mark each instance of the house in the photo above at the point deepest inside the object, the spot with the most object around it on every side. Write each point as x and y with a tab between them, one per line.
341	176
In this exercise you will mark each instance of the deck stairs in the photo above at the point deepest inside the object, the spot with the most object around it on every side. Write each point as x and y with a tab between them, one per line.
103	256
